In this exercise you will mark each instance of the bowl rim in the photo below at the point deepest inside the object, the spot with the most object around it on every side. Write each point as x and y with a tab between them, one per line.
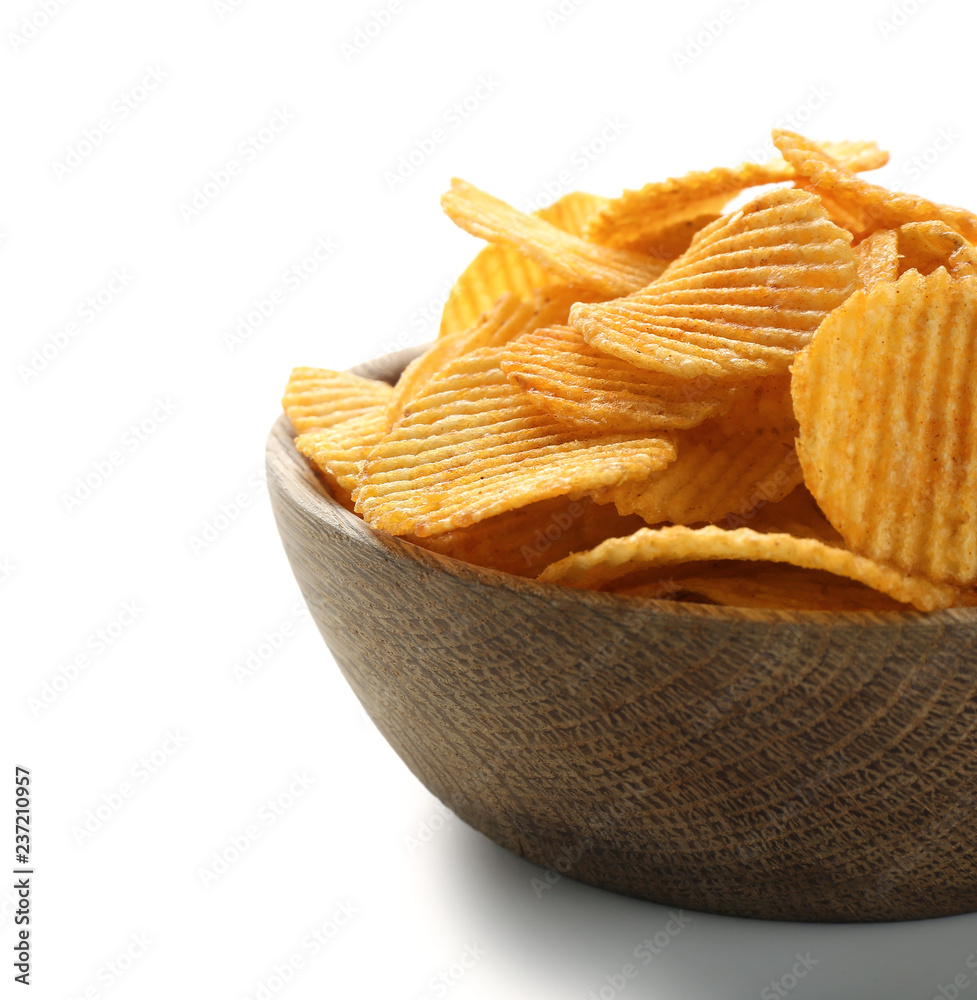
305	489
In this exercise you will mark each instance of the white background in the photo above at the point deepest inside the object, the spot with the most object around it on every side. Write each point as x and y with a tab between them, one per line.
157	356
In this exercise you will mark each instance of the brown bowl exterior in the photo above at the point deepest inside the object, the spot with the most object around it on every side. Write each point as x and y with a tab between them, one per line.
787	765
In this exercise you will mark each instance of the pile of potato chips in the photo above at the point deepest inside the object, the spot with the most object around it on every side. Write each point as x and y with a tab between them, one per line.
767	407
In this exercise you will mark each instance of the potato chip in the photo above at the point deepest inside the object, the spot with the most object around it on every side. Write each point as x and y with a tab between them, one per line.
453	345
886	396
727	468
318	398
525	540
568	258
472	445
618	557
339	451
510	319
746	296
638	219
878	257
925	246
873	207
499	270
579	385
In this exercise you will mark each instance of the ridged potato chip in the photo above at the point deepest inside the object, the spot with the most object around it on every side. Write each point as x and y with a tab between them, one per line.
568	258
339	451
445	349
618	557
745	297
878	257
886	397
318	398
871	206
499	270
510	319
638	219
472	445
726	468
925	246
582	386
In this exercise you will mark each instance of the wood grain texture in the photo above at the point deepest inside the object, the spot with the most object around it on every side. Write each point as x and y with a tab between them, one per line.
790	765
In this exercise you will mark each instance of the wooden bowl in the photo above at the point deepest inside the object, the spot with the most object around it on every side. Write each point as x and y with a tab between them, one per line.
789	765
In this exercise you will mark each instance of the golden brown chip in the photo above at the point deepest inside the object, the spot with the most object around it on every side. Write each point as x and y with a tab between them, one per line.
878	257
568	258
886	396
318	398
775	587
453	345
925	246
871	206
746	296
509	319
618	557
580	385
499	270
472	445
525	540
339	451
727	468
639	219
